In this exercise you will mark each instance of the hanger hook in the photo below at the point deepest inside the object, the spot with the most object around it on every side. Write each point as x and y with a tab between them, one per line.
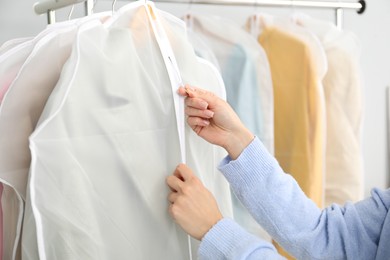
113	6
94	5
70	12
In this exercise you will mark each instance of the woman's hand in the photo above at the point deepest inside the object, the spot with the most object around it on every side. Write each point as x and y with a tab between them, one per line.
193	207
214	120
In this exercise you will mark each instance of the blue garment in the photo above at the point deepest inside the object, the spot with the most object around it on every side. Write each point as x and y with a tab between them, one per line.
243	93
354	231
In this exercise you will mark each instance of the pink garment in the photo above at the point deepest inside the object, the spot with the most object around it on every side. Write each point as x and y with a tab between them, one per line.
4	90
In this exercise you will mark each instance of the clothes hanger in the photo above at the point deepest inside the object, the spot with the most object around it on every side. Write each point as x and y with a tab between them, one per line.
113	7
70	13
188	18
293	14
253	28
94	5
197	24
258	21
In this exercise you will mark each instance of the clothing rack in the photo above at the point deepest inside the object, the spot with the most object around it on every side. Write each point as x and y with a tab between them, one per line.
49	6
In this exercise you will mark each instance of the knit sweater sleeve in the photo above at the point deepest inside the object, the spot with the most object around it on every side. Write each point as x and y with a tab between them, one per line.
227	240
278	204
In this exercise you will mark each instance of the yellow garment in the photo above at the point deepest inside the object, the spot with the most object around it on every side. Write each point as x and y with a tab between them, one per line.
299	111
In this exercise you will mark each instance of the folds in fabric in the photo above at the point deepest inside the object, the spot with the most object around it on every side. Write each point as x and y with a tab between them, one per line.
342	89
106	141
38	75
21	71
245	70
299	112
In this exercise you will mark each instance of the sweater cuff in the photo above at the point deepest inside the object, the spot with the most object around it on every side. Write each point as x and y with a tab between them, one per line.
254	156
227	240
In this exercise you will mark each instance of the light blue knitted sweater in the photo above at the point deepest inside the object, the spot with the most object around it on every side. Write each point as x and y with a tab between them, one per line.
354	231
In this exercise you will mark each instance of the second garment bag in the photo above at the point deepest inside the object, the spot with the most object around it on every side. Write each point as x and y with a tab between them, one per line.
344	112
298	65
107	140
246	73
30	66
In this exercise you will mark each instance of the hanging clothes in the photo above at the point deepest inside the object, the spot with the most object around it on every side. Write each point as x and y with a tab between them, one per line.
13	56
107	139
245	70
342	88
8	45
200	47
105	129
5	47
48	55
14	53
299	103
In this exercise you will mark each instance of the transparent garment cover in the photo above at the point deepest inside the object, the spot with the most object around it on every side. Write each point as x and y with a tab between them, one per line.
246	74
202	50
14	55
15	52
299	106
8	45
263	21
38	74
245	70
107	139
344	111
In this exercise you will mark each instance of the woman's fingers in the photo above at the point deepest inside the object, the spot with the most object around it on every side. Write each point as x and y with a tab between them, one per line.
203	113
198	93
174	183
182	91
197	121
197	129
172	197
196	103
183	172
192	206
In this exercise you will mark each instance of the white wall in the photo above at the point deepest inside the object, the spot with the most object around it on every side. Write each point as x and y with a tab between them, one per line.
17	19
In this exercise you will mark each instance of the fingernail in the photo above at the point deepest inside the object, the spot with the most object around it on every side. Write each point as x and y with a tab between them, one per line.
204	104
179	88
209	113
188	87
205	122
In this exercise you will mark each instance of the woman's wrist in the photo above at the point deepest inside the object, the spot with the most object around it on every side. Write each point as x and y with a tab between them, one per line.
211	225
238	142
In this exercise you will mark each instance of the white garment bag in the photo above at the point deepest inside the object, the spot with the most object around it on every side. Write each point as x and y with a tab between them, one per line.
8	45
246	73
21	66
344	112
108	137
19	114
245	69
